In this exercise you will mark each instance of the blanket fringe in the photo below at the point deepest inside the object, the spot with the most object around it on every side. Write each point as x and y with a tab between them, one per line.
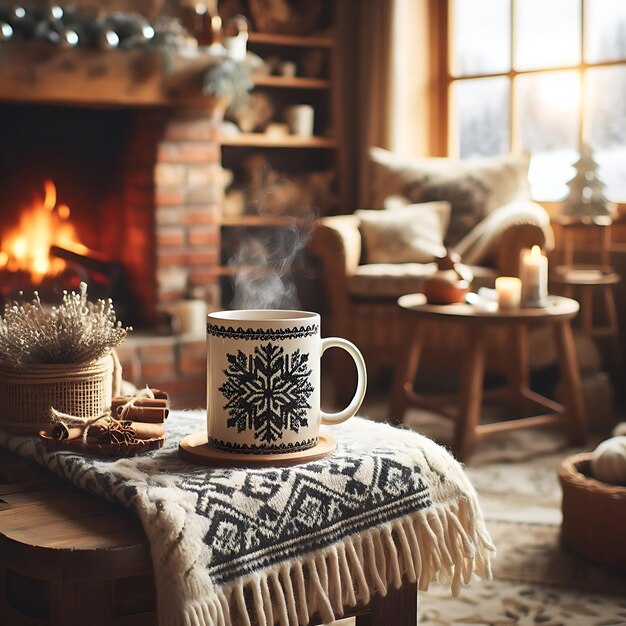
441	544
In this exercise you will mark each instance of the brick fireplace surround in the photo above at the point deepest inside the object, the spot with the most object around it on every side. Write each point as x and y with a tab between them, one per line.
186	196
170	191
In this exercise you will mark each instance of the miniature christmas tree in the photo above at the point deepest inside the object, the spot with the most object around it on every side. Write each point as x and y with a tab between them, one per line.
586	198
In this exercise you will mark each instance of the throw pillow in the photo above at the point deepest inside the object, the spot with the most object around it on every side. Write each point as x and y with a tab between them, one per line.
410	234
474	188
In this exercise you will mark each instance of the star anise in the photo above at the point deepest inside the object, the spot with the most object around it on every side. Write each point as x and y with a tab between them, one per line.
114	431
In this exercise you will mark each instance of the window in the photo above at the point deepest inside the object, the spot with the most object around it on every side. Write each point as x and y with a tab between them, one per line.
543	76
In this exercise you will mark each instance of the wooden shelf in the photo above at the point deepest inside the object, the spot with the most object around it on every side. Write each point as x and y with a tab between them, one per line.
271	39
83	76
257	220
292	156
290	82
261	140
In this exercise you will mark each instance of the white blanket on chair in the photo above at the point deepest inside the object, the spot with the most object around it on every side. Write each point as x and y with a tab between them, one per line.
476	246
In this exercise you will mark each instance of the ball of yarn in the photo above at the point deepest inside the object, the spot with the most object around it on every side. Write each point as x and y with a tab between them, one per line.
608	462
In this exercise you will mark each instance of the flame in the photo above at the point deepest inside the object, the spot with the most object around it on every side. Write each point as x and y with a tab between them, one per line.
50	199
535	251
44	223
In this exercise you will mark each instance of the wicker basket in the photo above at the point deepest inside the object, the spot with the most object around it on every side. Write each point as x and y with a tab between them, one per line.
84	390
593	514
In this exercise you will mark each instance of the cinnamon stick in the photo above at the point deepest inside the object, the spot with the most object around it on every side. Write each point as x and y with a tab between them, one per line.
161	395
61	432
124	431
158	402
153	415
110	432
122	400
147	431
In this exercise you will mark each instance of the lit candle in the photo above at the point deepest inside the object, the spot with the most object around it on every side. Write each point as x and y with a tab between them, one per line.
509	292
534	275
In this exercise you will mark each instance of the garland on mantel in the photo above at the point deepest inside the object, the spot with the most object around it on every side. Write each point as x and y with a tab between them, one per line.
76	27
70	27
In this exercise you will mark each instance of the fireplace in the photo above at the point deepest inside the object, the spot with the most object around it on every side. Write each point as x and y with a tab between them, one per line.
62	185
138	185
135	194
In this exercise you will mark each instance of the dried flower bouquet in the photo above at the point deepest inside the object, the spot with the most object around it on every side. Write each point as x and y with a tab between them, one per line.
77	331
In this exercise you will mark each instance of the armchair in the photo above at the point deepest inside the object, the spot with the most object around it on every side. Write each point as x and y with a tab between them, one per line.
361	296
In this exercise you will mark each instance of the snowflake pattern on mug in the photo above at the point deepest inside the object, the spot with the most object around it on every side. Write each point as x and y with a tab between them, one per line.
268	391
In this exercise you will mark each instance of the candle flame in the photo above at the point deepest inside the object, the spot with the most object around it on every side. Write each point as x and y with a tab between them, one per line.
535	251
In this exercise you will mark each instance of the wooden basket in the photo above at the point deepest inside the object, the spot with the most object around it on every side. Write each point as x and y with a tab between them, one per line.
593	514
83	390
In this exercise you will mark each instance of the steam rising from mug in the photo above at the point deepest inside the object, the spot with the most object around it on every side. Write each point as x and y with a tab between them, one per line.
264	280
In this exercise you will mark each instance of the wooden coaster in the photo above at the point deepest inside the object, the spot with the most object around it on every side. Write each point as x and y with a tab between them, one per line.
194	448
100	449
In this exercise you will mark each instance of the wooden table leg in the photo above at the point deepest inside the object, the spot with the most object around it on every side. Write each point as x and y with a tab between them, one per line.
518	381
574	408
406	371
471	395
613	324
397	608
587	310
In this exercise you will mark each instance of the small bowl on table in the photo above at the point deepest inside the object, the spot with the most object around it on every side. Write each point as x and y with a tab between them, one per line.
444	291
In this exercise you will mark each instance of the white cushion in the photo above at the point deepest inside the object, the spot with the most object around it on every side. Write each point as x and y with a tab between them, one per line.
409	234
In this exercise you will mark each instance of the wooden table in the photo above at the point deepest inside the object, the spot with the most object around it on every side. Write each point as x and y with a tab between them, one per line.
474	321
70	559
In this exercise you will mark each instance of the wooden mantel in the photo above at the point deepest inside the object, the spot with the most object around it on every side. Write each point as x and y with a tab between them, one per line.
41	73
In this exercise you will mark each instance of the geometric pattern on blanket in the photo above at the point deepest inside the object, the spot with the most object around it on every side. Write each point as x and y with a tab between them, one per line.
276	514
283	544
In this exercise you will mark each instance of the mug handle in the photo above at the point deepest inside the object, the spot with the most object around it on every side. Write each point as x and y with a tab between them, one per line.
355	404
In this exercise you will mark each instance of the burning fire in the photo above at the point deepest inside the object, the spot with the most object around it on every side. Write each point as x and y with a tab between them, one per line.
43	224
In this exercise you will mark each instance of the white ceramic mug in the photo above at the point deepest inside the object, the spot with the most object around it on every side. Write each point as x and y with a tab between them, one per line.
263	381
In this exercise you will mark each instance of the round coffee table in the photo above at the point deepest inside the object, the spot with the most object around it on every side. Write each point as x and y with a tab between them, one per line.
474	321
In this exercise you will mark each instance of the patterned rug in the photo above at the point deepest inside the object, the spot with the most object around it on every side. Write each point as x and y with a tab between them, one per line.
501	603
536	580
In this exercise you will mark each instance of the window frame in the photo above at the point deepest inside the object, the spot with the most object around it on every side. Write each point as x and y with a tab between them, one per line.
446	141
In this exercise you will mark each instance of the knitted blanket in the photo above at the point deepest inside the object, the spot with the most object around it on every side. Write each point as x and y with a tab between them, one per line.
283	544
479	243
